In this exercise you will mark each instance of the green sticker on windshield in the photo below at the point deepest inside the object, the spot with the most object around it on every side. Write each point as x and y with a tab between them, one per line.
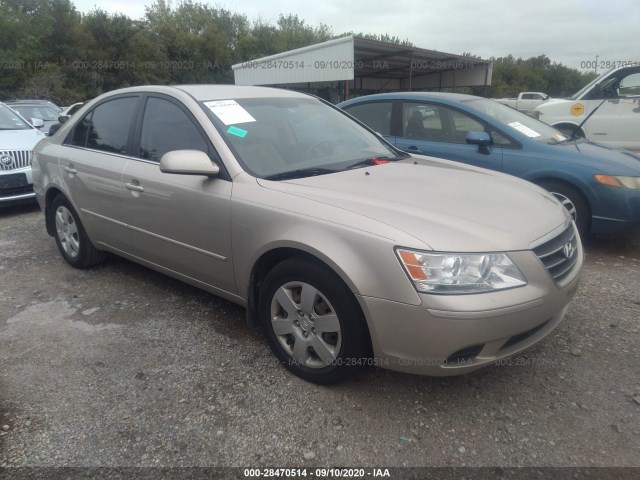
238	132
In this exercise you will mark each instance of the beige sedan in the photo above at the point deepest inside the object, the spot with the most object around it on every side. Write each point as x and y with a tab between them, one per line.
345	250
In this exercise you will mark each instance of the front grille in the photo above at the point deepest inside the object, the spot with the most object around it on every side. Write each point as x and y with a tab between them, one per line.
14	159
560	254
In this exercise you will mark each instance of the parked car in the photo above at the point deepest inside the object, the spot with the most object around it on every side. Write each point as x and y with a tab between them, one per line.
17	139
614	100
45	113
600	186
526	101
71	109
33	102
347	251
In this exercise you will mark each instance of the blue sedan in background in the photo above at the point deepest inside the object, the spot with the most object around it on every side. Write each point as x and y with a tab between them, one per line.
599	185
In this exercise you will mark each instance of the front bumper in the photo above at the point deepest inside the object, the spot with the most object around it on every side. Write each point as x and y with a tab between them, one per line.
618	211
455	334
16	186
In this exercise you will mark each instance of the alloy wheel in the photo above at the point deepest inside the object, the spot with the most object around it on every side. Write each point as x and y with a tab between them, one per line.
67	231
306	325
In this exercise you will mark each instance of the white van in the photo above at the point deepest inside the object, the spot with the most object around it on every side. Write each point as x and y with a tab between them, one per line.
616	122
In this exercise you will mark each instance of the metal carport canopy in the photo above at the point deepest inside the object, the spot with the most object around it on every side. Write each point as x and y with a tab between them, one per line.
367	64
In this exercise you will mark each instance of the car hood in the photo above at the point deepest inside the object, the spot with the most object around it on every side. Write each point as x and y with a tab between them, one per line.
553	101
448	206
601	158
19	139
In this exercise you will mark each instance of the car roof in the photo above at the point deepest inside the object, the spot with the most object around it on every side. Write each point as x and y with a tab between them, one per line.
39	105
427	96
32	101
214	92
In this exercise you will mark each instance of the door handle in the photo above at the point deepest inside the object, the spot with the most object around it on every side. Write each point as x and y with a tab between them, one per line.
134	187
70	170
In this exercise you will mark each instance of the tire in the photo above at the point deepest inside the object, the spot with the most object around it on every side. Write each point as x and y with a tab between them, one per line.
72	240
568	130
312	321
573	201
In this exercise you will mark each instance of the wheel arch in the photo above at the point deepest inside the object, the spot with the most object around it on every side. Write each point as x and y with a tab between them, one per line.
573	183
569	124
52	193
274	256
567	180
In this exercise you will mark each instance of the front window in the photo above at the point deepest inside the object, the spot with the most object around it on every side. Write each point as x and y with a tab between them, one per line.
9	120
517	122
273	136
166	127
630	86
437	123
623	83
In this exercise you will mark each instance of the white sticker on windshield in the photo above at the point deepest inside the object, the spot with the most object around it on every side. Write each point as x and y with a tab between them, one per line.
524	129
229	112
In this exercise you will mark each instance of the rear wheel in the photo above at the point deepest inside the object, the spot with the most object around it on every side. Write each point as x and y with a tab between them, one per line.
71	237
312	322
573	201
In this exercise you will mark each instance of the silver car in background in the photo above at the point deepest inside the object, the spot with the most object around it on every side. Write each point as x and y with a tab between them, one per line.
17	139
345	250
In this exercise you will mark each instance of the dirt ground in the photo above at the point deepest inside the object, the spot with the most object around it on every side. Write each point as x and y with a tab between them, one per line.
121	366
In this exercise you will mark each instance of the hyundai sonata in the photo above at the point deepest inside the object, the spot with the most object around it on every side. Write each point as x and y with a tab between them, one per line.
344	249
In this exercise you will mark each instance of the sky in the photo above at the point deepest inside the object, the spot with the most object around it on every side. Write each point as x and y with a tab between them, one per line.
571	32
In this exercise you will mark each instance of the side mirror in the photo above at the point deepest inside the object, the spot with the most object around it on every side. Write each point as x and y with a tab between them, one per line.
482	139
37	122
188	162
63	118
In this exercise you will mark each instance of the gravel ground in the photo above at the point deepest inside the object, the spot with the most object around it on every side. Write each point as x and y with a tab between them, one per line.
121	366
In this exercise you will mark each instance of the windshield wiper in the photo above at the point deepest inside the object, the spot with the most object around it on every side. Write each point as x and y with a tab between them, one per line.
368	162
302	172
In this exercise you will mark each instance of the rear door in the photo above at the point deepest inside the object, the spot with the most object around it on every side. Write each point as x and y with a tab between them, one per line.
377	115
91	161
179	222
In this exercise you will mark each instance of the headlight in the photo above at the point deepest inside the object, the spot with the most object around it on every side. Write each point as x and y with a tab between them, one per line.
612	181
454	273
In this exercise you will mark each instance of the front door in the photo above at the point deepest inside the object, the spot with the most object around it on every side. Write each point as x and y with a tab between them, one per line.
439	131
179	222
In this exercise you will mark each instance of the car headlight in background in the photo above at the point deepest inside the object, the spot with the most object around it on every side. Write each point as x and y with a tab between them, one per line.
455	273
613	181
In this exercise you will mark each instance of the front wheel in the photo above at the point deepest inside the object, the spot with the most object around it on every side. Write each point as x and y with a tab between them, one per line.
312	322
573	201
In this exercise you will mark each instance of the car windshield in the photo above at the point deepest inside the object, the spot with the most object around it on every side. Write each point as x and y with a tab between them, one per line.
37	111
516	121
9	120
276	137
